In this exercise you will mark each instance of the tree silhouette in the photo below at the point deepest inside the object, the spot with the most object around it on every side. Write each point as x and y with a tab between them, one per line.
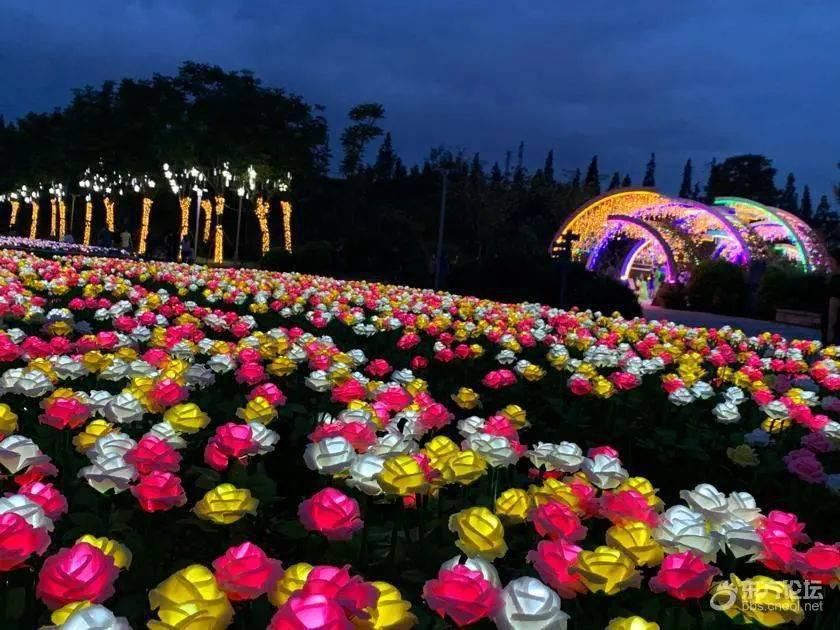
386	159
548	167
592	181
805	209
650	172
749	176
823	211
615	182
686	186
626	182
789	199
356	137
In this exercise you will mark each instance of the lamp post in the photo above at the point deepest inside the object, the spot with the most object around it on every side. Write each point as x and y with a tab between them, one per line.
441	223
241	192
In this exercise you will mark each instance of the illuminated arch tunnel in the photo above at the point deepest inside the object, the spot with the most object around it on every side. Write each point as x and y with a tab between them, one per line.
637	232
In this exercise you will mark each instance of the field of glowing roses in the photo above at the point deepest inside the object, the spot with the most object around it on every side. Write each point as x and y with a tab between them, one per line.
197	448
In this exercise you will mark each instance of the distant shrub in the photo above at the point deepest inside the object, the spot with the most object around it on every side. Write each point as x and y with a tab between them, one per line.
718	286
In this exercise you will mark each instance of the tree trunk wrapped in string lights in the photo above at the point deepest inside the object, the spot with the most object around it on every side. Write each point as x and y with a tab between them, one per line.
184	203
15	208
207	208
109	213
33	229
261	210
219	243
286	207
88	220
53	217
144	225
62	219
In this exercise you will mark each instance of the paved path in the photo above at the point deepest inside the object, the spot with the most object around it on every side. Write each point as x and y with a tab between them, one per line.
712	320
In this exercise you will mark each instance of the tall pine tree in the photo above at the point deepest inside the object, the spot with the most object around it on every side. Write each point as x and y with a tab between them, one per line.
386	159
548	167
650	172
626	182
823	211
789	200
592	181
805	209
685	186
615	182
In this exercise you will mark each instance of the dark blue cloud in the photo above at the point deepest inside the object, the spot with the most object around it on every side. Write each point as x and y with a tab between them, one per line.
620	79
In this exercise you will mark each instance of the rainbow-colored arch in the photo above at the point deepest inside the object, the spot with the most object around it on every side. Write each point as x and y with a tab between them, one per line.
677	233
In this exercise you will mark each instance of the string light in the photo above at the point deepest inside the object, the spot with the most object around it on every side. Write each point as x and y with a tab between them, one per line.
53	217
62	219
33	229
88	219
207	207
109	213
286	207
261	210
144	225
15	207
218	245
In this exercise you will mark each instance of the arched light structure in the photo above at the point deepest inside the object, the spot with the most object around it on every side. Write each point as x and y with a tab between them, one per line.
678	233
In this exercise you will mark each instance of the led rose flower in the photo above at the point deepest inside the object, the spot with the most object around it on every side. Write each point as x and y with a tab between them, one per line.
625	506
706	500
480	533
186	418
604	471
293	580
231	441
485	567
19	540
631	623
109	472
8	420
152	453
64	412
166	393
462	467
80	572
514	505
310	611
761	599
497	450
462	594
555	520
683	576
190	597
332	513
257	409
466	398
159	491
329	456
18	452
245	572
47	496
636	540
528	604
402	475
553	560
391	611
351	592
363	474
820	564
226	504
607	570
119	553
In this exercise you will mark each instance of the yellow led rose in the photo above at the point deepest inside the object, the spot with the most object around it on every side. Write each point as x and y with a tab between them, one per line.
293	580
533	373
644	487
440	449
517	416
175	369
743	455
60	616
637	541
417	386
775	425
391	612
258	409
95	361
401	475
93	431
226	504
43	365
480	533
606	570
8	419
513	505
190	598
555	490
463	467
466	398
762	599
60	328
186	418
631	623
119	553
476	350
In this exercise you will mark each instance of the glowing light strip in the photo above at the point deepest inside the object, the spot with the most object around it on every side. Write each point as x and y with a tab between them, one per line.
33	228
88	220
62	219
144	225
109	213
670	262
734	202
53	217
286	207
15	208
630	259
219	243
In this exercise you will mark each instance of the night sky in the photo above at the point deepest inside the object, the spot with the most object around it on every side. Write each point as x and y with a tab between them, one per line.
616	78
